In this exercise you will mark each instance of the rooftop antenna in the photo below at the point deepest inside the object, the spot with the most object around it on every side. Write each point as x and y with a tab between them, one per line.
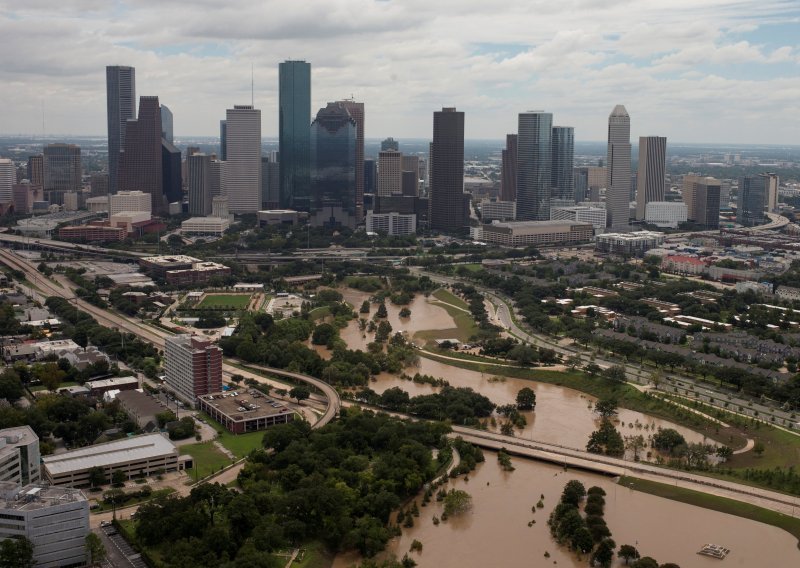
43	130
252	90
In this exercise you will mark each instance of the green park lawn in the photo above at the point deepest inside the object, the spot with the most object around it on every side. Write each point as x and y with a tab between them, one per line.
225	301
239	445
207	459
448	297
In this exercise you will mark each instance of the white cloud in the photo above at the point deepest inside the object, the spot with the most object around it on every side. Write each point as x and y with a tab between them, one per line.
407	58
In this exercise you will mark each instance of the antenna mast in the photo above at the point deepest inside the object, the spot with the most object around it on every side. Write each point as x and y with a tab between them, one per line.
252	89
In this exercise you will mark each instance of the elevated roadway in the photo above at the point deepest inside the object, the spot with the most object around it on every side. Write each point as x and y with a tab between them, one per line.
62	246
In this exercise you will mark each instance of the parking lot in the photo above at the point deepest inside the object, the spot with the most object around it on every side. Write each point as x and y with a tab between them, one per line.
120	553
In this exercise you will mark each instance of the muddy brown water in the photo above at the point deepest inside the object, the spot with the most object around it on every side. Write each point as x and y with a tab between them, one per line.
496	532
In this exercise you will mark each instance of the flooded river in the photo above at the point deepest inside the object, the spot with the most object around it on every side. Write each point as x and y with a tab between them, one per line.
496	532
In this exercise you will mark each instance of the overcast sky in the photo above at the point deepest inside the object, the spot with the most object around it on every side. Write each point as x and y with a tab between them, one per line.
691	70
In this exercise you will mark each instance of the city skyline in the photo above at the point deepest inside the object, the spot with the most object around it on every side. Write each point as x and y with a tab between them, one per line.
709	71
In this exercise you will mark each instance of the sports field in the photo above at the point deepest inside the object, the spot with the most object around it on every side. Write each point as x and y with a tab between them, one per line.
224	301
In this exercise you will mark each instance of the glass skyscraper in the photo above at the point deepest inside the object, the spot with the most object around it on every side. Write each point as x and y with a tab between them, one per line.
294	133
334	135
534	165
563	152
120	107
752	196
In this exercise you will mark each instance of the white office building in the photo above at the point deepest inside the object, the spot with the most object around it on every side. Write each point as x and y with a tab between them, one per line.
19	455
129	201
393	223
495	210
597	216
8	176
214	226
666	213
97	204
241	175
54	519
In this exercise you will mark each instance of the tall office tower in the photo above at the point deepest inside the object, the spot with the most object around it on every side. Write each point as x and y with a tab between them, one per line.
141	164
223	140
193	366
618	186
508	173
199	170
390	144
563	151
534	165
334	136
7	178
265	182
580	178
370	175
701	195
36	170
62	171
448	204
294	133
773	183
270	181
120	108
752	196
242	177
166	124
21	197
99	184
217	172
652	172
171	174
725	194
219	207
390	168
356	111
410	175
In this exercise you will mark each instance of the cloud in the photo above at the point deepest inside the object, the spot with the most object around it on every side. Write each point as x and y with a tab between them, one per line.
407	58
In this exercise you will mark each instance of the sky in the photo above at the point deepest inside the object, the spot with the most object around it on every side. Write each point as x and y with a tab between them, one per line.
722	71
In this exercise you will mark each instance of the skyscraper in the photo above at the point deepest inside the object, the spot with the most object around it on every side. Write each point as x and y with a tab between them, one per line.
193	366
390	167
390	144
652	172
356	111
701	195
534	165
166	124
370	176
410	175
618	186
563	152
242	177
334	136
199	173
448	204
508	174
141	164
120	107
171	175
223	140
62	171
773	184
294	133
7	179
581	180
752	197
36	170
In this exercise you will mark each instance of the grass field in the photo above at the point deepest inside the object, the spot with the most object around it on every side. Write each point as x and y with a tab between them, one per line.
449	298
239	445
715	503
465	326
224	301
207	459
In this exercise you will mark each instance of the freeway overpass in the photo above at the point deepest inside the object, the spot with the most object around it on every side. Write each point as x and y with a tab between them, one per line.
62	246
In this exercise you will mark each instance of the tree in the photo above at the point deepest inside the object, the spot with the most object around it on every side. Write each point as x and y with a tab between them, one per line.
646	562
593	369
606	407
604	553
97	476
405	313
759	448
526	399
523	354
118	477
456	502
667	439
164	418
606	440
16	553
615	373
323	334
628	552
364	307
300	393
582	540
574	492
381	313
95	549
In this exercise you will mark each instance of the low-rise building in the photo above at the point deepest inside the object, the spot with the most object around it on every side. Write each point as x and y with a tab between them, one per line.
100	386
497	210
680	264
54	519
633	244
662	306
665	213
277	217
199	273
92	233
242	412
788	293
583	213
394	224
19	455
214	226
144	455
142	407
524	233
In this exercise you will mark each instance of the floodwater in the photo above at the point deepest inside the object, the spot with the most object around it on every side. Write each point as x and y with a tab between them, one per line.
496	532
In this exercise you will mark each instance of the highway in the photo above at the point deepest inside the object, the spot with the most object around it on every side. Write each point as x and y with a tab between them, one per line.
64	246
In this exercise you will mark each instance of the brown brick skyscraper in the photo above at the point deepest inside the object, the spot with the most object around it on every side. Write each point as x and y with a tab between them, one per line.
140	163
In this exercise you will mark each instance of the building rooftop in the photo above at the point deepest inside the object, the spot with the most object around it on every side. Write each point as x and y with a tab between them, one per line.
10	438
140	403
110	453
245	404
32	497
112	382
170	259
533	224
